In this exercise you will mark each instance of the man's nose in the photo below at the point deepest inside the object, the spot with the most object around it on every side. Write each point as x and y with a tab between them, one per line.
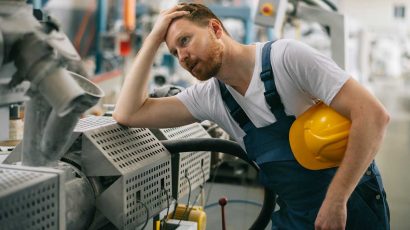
183	55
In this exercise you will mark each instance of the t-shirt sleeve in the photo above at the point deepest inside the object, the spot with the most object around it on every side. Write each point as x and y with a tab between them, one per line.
194	99
313	72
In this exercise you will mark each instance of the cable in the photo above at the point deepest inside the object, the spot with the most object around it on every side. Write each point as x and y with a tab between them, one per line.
195	200
203	187
199	193
175	209
163	221
147	218
203	176
189	197
212	182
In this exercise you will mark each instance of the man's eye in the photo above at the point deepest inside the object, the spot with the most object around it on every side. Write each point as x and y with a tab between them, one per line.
184	41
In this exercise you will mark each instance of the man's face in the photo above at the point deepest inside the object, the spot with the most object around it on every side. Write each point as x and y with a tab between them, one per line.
197	48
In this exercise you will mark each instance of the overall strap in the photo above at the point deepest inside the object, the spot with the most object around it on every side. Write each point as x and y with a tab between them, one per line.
271	94
234	108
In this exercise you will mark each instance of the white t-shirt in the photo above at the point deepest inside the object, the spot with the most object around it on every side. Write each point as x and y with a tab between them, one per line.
302	75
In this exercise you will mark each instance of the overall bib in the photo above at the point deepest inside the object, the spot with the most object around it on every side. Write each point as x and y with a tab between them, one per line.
300	192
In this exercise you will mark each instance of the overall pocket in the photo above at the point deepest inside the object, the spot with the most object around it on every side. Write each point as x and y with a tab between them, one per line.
367	207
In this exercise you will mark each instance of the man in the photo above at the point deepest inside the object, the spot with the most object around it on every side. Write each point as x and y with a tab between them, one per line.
320	199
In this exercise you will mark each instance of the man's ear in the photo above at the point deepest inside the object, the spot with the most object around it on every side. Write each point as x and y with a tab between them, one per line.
216	27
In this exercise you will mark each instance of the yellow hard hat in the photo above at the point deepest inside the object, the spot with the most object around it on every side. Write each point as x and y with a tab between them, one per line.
318	137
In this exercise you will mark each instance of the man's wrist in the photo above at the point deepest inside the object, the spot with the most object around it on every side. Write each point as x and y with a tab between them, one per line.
154	40
337	196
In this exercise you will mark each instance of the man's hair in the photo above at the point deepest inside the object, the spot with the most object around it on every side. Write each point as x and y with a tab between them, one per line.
199	14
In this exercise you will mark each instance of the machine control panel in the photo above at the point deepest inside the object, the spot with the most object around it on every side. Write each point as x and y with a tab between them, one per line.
266	12
271	12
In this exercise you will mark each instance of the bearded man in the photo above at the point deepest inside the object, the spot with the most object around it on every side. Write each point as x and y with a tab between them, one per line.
255	92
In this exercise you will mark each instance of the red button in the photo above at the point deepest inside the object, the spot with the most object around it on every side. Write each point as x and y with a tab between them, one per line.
267	9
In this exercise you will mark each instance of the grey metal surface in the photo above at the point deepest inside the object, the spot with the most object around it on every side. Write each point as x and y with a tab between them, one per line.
266	20
31	198
80	198
195	166
14	156
84	124
338	33
36	52
335	21
123	202
47	132
12	10
139	161
13	95
2	53
92	122
114	150
4	123
35	119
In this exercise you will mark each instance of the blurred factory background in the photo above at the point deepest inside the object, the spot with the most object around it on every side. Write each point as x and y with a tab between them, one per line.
66	164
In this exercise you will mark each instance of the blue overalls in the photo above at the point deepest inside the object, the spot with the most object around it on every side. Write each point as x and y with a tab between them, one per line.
301	191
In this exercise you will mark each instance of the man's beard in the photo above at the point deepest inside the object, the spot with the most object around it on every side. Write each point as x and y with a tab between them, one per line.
213	63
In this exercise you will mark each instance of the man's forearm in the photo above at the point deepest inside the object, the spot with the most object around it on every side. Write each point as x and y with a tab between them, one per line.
366	135
134	90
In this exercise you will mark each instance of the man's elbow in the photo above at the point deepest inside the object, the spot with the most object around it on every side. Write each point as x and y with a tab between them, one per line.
383	117
121	119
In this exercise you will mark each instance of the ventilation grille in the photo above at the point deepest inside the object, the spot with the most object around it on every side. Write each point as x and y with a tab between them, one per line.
151	187
189	131
126	201
138	158
195	166
127	148
28	200
93	122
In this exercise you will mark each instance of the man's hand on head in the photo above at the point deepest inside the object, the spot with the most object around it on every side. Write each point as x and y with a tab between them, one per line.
165	18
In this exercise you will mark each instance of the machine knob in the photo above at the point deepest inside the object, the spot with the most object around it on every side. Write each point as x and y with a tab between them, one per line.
222	202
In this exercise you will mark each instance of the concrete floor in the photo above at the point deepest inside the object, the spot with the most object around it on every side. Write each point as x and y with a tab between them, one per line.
393	158
393	161
241	210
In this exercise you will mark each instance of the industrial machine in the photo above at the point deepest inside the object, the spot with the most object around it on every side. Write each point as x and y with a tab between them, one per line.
274	13
37	189
67	174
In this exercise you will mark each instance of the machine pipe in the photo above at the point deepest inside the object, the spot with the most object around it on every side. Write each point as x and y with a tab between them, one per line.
48	128
80	204
208	144
35	119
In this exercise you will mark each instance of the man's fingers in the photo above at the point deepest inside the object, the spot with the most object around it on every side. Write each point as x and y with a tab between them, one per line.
170	16
172	9
178	14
